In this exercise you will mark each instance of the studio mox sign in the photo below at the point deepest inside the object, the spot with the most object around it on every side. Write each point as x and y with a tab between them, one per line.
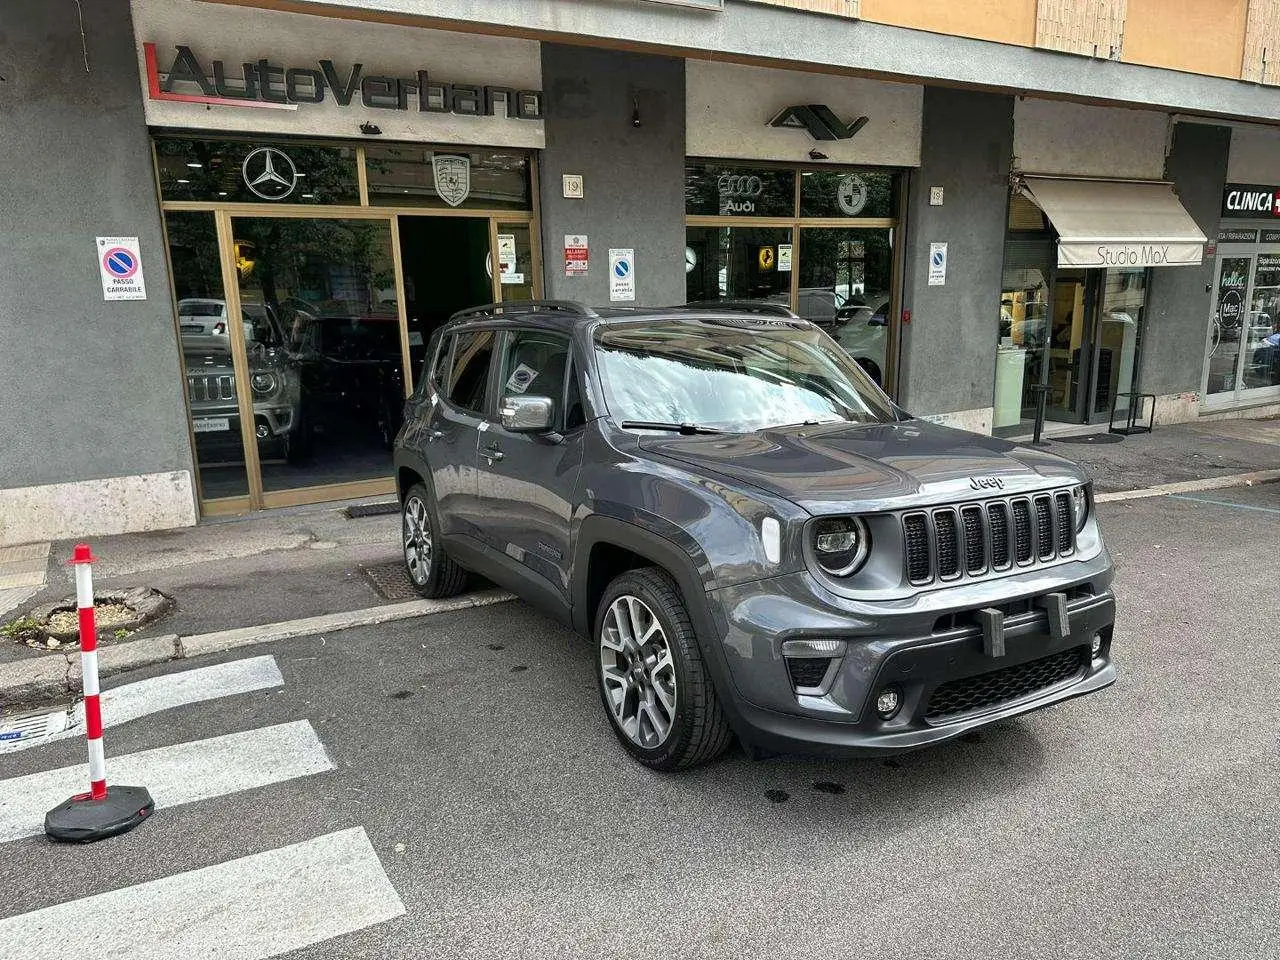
265	84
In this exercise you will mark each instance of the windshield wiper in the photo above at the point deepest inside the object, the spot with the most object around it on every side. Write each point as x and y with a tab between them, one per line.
687	429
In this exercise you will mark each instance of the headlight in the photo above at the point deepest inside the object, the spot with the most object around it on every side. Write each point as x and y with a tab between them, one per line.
840	545
1080	505
264	384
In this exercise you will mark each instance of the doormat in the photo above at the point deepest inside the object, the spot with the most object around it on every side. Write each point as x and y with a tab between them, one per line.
357	510
390	581
1094	438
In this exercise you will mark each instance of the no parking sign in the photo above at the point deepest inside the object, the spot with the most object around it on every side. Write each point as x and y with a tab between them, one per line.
120	264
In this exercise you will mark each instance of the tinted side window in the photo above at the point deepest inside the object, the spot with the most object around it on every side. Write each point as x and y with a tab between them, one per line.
575	414
434	370
468	370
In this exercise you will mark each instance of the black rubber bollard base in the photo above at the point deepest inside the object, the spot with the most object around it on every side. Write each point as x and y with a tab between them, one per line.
83	820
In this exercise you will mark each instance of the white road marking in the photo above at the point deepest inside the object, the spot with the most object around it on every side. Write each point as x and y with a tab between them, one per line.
182	773
134	700
248	909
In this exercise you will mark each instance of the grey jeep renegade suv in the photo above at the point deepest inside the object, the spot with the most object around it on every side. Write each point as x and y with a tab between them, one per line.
757	541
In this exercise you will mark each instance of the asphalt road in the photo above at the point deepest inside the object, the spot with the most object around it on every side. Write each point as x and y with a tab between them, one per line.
472	750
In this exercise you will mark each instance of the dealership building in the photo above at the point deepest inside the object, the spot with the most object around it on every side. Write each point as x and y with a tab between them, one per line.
231	227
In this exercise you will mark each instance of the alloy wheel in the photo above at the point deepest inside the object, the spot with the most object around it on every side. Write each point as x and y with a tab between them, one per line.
638	671
417	540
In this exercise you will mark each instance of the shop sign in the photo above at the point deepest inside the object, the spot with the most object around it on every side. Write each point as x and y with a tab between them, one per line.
273	86
1250	201
1232	282
819	120
738	192
1237	235
1271	236
1076	254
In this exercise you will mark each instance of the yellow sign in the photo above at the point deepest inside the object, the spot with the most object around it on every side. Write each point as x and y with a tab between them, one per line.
767	259
244	263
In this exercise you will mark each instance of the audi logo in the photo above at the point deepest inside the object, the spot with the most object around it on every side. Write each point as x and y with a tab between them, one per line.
734	185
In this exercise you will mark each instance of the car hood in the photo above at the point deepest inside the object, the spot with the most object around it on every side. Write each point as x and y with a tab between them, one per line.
844	467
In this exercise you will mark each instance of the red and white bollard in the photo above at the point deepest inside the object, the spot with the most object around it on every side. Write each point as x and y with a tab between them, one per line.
99	813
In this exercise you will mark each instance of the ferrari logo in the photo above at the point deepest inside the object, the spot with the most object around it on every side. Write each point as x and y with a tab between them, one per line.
767	258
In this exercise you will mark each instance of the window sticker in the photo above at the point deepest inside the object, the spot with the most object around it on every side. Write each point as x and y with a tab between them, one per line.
521	378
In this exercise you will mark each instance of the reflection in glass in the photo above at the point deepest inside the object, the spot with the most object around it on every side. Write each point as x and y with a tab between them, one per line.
738	263
1024	329
846	285
206	352
1124	297
325	347
848	193
1262	350
719	190
226	171
405	176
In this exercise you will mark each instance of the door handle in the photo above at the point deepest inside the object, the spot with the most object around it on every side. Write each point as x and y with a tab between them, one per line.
435	435
492	453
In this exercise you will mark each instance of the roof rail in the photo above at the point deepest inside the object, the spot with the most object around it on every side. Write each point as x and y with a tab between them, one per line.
518	307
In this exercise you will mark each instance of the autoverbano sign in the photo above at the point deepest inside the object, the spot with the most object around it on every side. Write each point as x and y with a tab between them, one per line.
1251	201
275	86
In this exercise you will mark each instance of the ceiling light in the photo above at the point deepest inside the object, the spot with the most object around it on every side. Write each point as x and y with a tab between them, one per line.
193	165
184	181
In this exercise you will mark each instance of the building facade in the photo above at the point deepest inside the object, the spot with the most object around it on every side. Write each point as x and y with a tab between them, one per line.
236	224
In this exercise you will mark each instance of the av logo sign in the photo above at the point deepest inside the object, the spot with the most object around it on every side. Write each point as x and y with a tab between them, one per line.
819	120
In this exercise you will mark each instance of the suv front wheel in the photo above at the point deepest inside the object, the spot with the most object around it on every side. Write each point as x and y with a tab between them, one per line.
432	572
653	683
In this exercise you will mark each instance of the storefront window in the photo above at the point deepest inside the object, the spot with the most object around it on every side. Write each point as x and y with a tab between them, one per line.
1262	345
835	193
846	287
234	171
719	190
325	351
402	175
738	263
205	336
1224	345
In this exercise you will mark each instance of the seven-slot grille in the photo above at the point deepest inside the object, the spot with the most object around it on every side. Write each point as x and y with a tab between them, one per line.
204	388
947	543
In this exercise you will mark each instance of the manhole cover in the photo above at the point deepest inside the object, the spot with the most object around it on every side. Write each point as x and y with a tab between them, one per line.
371	509
391	581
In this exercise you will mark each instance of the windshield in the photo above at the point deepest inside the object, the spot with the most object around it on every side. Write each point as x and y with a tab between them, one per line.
719	375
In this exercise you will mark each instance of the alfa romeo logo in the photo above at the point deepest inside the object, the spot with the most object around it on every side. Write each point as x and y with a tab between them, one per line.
851	194
269	173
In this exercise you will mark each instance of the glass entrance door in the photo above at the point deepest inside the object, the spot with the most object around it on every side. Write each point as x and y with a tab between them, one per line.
1243	345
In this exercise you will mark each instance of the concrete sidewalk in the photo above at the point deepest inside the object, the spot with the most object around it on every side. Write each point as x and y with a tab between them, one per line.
314	561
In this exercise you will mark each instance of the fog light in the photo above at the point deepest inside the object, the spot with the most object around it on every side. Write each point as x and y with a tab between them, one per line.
262	431
813	648
1095	644
888	702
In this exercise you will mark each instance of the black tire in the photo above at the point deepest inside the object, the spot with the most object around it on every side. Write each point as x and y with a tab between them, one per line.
439	575
698	731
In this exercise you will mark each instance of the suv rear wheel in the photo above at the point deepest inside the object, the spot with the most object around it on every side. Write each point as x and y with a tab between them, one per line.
432	572
653	683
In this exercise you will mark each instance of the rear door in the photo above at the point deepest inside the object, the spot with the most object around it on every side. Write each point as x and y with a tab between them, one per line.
454	428
527	483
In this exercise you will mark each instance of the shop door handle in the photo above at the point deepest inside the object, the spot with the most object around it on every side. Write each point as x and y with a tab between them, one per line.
435	435
492	453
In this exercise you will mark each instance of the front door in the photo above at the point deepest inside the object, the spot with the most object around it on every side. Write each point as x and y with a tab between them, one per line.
456	428
526	482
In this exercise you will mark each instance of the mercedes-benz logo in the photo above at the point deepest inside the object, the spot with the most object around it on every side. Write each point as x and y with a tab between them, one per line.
269	173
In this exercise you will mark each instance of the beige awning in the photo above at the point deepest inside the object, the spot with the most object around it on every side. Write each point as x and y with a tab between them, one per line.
1110	223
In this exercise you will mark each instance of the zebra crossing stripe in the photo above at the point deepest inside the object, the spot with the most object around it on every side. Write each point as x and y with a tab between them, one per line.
178	774
133	700
253	908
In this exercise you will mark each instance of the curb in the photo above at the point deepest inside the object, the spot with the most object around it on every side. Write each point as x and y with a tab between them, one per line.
54	676
1191	486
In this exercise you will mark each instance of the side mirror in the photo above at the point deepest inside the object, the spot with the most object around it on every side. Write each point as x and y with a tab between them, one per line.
527	414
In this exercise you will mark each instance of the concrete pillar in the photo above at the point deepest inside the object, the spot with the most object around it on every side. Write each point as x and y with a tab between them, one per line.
947	361
618	120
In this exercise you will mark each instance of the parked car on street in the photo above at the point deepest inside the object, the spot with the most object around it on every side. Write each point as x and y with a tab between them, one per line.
756	539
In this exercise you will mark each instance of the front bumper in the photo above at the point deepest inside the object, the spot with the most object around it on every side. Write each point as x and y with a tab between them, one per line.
932	650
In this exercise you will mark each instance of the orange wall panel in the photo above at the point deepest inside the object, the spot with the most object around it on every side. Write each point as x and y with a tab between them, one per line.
1005	21
1198	36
